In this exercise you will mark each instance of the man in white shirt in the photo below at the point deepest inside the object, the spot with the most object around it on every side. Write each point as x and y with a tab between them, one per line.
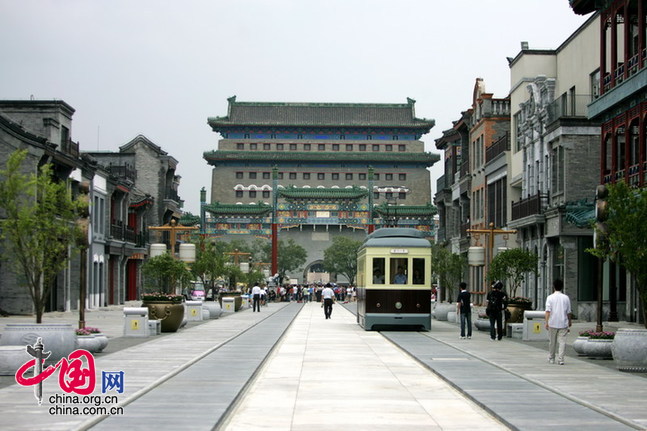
558	322
256	298
327	296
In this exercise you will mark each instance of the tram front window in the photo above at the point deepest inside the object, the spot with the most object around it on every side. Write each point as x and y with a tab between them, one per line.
378	270
399	270
418	271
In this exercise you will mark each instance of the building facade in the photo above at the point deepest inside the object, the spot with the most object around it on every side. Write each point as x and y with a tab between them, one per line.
341	168
620	105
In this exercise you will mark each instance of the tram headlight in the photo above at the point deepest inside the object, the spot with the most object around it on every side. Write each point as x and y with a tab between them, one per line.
398	305
417	305
378	305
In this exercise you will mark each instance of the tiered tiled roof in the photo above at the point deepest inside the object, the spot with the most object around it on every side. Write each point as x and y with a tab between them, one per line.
322	193
259	209
406	210
320	114
277	156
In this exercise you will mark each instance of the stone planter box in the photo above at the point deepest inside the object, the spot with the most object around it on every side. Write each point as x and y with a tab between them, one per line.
629	350
441	310
482	324
597	348
578	345
58	338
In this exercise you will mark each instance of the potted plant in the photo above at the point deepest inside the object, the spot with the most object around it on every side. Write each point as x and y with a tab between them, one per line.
578	343
482	323
512	266
598	344
164	275
103	339
448	268
39	228
87	341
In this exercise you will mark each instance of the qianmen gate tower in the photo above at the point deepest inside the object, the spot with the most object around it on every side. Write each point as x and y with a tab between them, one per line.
339	168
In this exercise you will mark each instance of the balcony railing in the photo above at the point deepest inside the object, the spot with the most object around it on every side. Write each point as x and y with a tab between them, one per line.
172	195
123	171
569	107
533	205
498	147
120	232
465	169
70	148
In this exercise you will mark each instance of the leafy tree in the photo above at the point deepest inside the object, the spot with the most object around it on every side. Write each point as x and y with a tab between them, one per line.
209	264
625	237
341	257
448	268
39	225
290	256
164	274
511	266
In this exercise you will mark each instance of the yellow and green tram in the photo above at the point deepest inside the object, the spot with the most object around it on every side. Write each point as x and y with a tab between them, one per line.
394	280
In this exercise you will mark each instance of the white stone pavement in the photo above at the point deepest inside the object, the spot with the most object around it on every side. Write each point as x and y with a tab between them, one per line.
332	375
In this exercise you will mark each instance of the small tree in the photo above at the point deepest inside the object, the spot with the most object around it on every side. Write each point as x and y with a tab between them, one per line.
448	268
290	256
209	264
164	274
512	266
39	227
625	238
341	257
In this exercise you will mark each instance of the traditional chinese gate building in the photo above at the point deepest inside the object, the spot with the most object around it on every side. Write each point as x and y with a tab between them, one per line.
341	169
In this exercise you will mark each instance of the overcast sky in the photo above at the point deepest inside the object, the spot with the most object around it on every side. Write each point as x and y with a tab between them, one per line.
160	68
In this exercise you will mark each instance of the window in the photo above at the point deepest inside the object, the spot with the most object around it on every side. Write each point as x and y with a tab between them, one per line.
349	147
306	175
402	196
389	147
388	177
378	270
239	193
349	177
388	195
335	176
399	270
280	175
266	175
252	193
306	147
266	147
321	147
375	147
240	146
335	147
321	176
293	147
362	147
376	195
239	175
402	148
252	175
418	271
402	177
362	177
279	147
266	193
376	176
292	175
253	146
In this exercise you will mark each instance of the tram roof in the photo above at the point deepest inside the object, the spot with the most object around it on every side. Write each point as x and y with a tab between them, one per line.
397	237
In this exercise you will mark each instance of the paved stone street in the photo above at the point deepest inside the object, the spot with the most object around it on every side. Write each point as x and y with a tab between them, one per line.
288	368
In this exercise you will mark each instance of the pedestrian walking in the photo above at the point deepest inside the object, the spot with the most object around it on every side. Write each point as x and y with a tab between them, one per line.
464	309
558	321
328	296
497	301
256	298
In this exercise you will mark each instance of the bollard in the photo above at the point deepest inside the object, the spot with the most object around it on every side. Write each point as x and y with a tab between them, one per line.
193	311
136	322
534	328
228	304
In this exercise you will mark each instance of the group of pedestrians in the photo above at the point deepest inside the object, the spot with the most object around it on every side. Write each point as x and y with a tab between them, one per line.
558	316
